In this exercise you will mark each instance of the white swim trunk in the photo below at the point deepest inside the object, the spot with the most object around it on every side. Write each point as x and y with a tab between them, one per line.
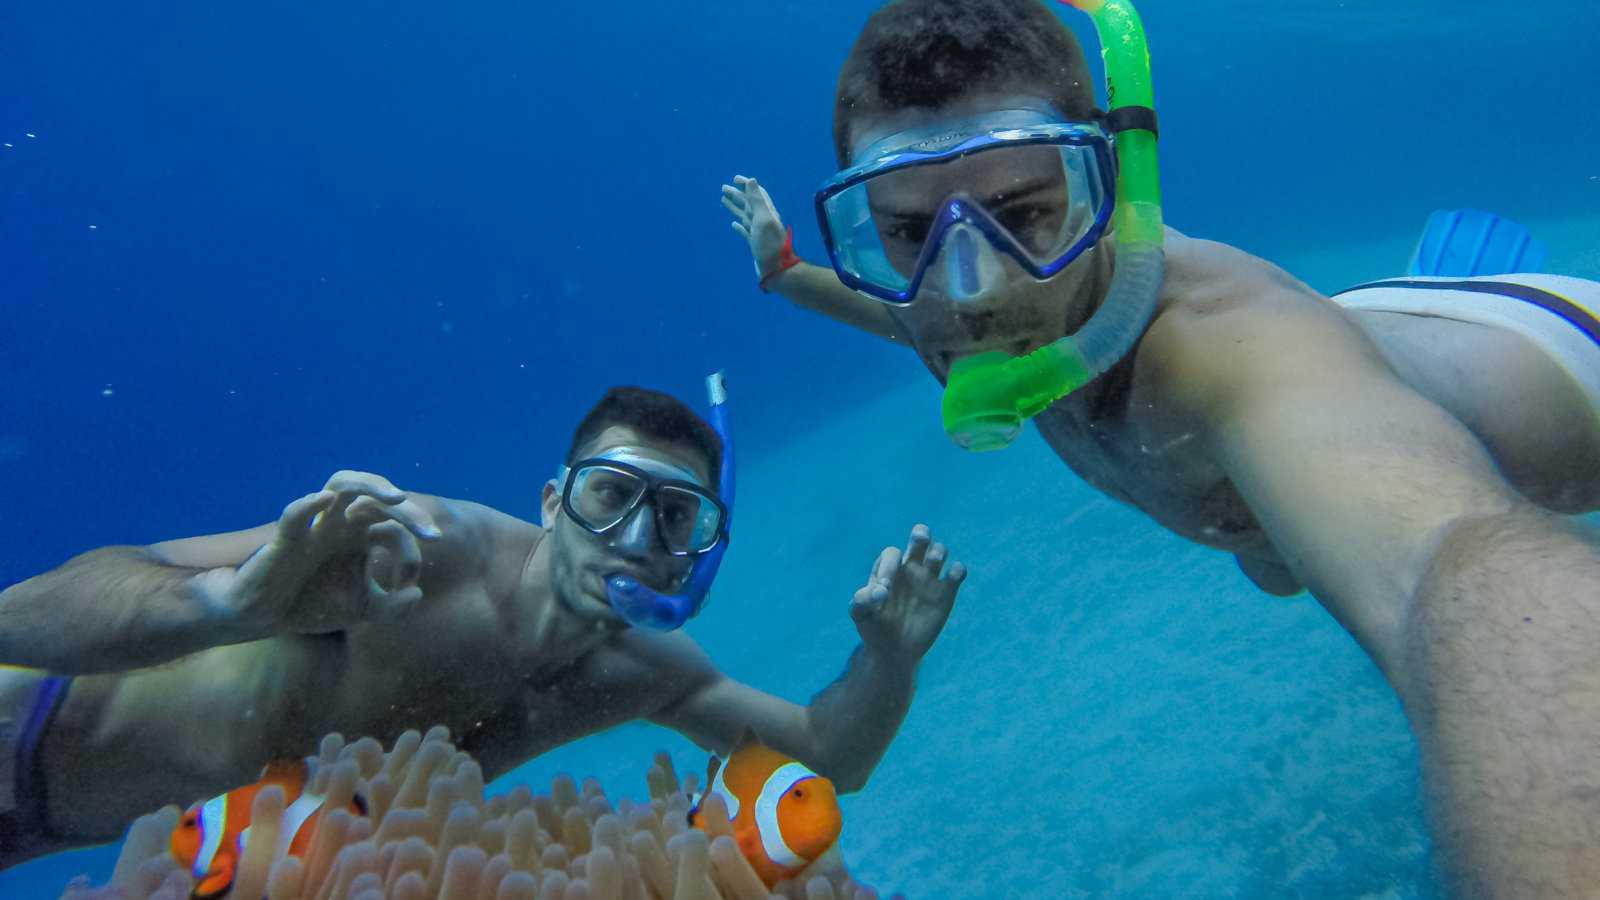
1556	312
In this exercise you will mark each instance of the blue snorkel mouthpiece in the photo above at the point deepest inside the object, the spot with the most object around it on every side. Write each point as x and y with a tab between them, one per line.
636	601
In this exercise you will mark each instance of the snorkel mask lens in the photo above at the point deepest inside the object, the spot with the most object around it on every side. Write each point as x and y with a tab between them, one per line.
1039	195
601	494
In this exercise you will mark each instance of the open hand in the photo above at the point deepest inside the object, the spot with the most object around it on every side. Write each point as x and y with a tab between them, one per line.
756	219
903	606
346	554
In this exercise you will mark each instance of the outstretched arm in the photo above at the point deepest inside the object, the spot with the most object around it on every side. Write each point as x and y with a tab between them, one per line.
816	288
119	608
1482	610
335	556
849	725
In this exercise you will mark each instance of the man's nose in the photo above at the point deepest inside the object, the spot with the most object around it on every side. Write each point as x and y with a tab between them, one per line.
637	535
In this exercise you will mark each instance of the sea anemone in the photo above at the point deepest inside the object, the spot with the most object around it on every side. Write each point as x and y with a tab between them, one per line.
430	833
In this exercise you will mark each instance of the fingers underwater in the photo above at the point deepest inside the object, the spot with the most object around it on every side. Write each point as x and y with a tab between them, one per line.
888	564
394	565
394	604
399	541
365	511
868	602
346	481
956	574
298	516
918	544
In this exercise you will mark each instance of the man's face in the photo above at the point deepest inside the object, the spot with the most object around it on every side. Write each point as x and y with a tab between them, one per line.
1025	190
582	561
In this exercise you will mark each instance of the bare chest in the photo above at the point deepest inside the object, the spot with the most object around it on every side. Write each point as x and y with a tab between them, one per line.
1163	472
464	663
604	688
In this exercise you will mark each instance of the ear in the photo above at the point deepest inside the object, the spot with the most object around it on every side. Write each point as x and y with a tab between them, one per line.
549	503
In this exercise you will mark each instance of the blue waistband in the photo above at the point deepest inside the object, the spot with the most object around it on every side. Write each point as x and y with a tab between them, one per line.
1550	301
27	821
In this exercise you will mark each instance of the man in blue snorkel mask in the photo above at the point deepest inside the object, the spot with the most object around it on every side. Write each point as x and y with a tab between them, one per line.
1405	450
173	671
639	513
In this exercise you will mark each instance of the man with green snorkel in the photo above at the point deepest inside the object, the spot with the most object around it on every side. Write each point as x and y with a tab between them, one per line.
991	219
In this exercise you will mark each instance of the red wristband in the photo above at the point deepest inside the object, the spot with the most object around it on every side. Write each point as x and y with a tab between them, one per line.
786	259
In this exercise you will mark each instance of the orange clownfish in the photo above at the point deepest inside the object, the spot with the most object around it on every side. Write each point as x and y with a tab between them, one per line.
210	838
784	815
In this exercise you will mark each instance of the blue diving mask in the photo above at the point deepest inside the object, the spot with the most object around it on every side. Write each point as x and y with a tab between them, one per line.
606	494
1034	192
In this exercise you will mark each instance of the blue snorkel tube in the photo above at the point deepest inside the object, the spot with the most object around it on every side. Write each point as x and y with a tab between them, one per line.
634	600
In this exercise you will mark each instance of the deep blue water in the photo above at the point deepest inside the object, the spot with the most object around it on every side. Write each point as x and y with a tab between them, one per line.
242	247
420	239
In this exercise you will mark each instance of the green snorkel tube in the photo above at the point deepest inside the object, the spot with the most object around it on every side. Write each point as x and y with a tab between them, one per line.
989	395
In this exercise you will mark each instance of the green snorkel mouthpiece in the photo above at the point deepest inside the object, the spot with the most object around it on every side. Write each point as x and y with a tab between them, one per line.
988	396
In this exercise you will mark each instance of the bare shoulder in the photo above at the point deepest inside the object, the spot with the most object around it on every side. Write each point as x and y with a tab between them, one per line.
1230	321
475	539
470	520
1209	277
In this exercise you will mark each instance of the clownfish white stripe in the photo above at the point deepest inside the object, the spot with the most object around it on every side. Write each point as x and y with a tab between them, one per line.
213	821
778	783
720	788
294	817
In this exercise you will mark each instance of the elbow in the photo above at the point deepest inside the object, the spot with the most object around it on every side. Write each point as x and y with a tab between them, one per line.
849	784
847	777
1507	563
1479	551
846	774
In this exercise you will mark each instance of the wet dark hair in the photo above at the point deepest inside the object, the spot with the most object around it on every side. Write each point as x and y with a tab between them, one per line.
926	54
653	414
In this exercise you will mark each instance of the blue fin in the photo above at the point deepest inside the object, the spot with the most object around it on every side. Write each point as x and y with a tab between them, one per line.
1460	243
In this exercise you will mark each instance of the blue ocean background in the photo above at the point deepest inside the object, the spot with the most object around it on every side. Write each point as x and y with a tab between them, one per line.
243	246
